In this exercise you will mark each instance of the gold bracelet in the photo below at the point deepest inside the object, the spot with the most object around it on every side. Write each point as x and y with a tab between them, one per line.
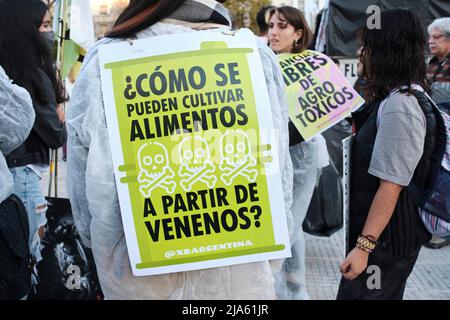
363	248
366	244
370	238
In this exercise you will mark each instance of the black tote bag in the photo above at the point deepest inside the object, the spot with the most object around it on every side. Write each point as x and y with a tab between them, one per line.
324	216
67	270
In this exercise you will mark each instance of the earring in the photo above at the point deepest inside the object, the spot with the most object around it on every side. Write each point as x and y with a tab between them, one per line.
295	43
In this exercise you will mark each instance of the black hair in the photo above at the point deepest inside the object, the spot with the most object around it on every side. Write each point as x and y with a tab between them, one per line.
22	48
394	55
140	14
261	19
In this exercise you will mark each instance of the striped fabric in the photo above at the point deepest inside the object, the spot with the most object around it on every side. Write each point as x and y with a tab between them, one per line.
196	11
439	71
446	159
436	226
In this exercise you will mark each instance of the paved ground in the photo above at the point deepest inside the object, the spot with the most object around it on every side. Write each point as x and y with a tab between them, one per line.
430	279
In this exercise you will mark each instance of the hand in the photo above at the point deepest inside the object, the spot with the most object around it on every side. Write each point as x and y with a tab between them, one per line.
354	264
61	113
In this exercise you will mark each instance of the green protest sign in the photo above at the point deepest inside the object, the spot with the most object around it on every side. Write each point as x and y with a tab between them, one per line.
193	160
319	95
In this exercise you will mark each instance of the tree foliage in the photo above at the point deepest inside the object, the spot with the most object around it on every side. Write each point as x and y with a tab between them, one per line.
243	12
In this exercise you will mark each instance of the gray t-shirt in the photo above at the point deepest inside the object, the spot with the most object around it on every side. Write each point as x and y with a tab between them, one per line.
400	139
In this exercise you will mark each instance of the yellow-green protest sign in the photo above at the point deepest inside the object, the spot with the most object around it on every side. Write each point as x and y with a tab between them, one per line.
195	159
319	95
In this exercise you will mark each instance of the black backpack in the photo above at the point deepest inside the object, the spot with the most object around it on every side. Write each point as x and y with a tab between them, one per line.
434	201
15	258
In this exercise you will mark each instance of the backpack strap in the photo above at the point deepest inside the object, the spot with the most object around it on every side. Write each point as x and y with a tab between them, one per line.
23	218
420	195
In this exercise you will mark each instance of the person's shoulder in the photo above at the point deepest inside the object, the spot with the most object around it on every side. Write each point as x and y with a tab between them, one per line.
42	74
402	102
264	50
268	60
92	54
90	70
433	60
2	73
45	79
4	79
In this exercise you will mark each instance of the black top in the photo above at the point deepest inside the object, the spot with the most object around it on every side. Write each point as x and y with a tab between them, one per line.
405	232
294	135
48	131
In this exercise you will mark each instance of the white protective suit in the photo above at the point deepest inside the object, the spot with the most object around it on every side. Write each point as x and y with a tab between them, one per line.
95	205
308	159
16	120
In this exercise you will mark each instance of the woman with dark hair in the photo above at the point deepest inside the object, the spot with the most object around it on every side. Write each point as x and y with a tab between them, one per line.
290	33
288	30
92	187
395	139
26	59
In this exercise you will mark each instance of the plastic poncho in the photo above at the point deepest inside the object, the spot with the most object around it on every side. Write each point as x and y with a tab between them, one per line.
95	204
16	120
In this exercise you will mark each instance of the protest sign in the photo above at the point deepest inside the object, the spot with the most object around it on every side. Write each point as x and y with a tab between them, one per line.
194	151
318	94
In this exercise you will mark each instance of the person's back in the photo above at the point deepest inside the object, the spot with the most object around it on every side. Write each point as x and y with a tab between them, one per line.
93	192
16	120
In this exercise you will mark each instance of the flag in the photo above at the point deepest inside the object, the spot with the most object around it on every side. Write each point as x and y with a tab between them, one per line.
74	23
81	24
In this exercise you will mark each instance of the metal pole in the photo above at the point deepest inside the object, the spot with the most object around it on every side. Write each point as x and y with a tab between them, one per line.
56	173
50	178
59	59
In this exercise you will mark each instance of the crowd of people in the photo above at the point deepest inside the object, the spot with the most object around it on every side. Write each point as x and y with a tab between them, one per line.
394	145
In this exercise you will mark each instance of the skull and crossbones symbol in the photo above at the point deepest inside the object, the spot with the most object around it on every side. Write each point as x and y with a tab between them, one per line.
154	169
236	157
196	164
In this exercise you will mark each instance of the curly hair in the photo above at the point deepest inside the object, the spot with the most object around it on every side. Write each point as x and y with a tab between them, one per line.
394	56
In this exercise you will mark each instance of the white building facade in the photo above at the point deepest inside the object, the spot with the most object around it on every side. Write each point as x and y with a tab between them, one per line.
310	8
